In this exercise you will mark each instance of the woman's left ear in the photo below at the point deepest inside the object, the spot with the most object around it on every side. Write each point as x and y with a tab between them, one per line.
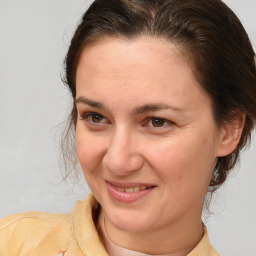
230	135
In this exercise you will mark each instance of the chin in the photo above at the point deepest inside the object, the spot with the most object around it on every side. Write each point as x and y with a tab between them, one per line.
129	221
129	218
129	225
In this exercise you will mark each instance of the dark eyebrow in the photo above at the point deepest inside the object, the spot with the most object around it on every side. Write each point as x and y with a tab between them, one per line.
91	103
138	110
155	107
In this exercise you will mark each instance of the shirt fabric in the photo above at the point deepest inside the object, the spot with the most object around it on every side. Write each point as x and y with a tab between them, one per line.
74	234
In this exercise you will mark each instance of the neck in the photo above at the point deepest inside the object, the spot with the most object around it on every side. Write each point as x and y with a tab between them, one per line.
176	239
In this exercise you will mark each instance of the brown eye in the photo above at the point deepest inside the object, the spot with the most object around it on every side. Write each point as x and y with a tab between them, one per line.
157	122
96	118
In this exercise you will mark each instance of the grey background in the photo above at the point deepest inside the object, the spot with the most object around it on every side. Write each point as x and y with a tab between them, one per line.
34	36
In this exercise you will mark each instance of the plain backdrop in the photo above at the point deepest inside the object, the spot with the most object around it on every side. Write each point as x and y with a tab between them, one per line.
34	36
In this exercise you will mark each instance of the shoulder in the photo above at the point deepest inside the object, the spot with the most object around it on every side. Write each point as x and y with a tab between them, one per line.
32	216
39	233
25	230
31	221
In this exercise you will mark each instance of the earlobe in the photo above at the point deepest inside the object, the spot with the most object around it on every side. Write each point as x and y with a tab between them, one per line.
230	135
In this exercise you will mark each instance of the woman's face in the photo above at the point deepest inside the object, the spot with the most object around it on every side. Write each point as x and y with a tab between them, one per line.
146	138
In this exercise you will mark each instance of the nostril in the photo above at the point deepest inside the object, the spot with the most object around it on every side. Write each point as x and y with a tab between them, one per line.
124	163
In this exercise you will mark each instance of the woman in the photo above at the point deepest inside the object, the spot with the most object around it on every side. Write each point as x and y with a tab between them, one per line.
164	96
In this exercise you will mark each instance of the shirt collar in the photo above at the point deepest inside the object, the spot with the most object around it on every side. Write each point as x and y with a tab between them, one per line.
87	236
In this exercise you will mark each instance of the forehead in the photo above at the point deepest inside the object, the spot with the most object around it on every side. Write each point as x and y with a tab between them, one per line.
140	52
126	67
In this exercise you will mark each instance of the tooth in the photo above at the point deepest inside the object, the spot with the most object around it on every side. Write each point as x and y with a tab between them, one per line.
136	189
143	187
121	189
129	190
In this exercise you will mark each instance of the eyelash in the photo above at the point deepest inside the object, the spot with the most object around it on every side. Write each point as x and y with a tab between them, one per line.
90	115
164	121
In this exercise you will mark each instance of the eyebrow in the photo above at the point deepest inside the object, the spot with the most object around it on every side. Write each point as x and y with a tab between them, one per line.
155	107
89	102
138	110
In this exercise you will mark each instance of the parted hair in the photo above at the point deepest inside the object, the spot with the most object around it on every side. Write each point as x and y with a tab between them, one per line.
207	33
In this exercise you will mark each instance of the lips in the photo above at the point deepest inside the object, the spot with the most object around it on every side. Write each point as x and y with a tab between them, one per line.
132	189
128	192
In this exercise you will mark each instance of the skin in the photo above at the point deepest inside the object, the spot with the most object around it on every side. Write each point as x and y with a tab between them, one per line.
177	154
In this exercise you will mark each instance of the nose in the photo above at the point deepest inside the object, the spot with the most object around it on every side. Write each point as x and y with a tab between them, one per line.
122	156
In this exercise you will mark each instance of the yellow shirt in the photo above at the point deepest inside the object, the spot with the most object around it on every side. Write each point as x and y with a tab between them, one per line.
74	234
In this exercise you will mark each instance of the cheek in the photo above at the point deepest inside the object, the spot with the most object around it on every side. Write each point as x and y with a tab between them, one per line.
184	162
166	161
90	150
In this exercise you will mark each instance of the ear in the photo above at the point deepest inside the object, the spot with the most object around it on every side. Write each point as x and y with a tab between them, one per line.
230	135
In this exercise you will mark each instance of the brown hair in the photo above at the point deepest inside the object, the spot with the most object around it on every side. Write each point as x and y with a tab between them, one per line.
208	33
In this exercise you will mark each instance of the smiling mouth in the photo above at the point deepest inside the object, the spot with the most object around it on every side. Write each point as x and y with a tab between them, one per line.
132	189
128	192
129	187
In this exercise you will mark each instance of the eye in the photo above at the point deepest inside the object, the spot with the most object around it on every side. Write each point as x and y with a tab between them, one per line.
94	118
157	122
